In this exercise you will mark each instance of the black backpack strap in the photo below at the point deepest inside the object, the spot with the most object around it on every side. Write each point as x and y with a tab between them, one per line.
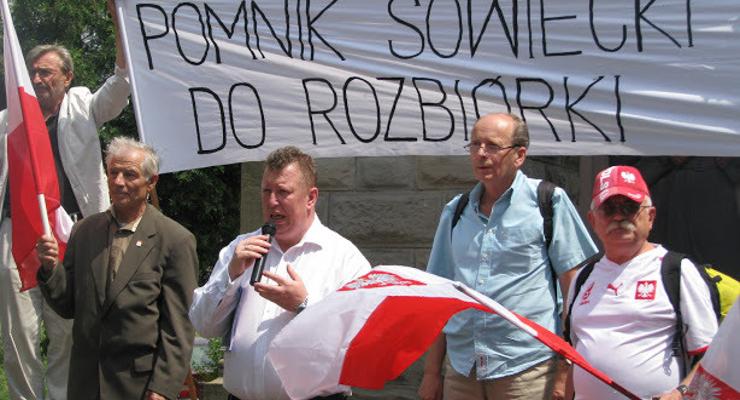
461	203
670	272
583	274
545	190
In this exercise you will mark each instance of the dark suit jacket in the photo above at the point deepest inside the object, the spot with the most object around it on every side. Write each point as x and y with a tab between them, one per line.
136	336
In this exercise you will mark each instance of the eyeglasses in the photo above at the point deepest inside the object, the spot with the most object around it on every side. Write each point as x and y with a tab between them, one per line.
488	148
624	207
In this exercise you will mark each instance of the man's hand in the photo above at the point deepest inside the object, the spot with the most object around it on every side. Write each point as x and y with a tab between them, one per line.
246	252
154	396
561	378
289	292
48	252
431	387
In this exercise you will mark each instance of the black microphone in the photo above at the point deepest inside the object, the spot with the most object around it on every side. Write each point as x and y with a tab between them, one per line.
267	229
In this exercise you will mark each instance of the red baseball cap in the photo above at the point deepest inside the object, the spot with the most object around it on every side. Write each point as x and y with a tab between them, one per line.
619	180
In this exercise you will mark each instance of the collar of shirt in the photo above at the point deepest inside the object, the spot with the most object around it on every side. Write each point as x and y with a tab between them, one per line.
316	234
506	198
131	226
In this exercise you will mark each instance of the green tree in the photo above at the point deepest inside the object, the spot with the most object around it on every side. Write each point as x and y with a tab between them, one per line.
206	201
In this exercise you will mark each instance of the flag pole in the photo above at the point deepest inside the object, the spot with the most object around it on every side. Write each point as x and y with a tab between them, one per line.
44	215
562	348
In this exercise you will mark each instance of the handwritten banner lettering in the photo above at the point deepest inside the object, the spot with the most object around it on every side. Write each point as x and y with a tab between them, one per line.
226	81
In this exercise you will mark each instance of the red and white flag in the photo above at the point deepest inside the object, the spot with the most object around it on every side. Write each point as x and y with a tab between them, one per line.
718	376
369	331
34	190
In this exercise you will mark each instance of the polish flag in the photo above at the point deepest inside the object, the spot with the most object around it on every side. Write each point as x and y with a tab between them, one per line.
718	376
34	190
373	328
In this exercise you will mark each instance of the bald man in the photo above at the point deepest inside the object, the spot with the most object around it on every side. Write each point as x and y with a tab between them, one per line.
498	248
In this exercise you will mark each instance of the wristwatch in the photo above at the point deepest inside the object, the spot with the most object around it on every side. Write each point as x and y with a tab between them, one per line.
683	389
302	306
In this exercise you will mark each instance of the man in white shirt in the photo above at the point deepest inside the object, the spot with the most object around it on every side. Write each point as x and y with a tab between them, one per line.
622	320
304	262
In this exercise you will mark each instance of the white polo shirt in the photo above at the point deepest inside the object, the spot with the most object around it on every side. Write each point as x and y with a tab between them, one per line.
623	323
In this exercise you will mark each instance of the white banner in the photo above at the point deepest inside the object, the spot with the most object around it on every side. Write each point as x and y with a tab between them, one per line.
226	81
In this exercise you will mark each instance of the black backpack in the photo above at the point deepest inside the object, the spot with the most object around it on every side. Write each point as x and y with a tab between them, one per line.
670	271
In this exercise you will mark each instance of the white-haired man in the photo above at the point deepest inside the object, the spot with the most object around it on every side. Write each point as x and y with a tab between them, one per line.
127	279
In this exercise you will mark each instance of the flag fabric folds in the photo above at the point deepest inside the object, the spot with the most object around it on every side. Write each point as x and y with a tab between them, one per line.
373	328
366	333
718	377
32	174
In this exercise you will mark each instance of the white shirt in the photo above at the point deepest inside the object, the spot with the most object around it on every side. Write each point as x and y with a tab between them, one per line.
623	324
80	115
323	259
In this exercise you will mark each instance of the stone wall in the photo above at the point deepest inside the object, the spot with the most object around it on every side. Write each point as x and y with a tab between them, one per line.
389	206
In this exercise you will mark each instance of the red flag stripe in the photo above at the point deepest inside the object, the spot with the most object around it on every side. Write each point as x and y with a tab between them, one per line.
391	340
31	170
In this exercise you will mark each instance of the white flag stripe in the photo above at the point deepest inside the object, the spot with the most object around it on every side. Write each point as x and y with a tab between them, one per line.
497	308
19	79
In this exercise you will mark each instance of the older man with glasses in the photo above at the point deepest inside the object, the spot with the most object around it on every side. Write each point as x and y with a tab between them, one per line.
498	247
622	320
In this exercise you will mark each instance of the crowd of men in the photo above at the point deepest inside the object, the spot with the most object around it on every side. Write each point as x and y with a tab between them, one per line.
129	276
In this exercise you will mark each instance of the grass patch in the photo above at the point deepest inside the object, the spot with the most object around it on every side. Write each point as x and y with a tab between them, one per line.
3	379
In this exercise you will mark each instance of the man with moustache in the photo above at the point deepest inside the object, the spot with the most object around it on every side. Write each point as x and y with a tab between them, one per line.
73	116
127	279
622	321
304	262
498	248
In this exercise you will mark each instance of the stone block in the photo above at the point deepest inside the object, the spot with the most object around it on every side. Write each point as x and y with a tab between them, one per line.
383	256
393	219
335	173
386	172
439	172
562	171
421	257
322	207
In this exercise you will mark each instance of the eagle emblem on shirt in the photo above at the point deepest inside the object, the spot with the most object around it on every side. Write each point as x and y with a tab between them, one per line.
645	290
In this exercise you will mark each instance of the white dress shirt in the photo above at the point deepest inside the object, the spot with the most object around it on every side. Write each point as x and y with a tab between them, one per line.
323	259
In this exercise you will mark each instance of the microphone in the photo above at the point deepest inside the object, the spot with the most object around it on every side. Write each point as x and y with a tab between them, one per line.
267	229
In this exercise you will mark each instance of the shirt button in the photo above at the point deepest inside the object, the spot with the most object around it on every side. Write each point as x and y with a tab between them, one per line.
480	281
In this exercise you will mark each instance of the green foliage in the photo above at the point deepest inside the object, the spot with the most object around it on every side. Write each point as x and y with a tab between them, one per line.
206	201
209	369
3	379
